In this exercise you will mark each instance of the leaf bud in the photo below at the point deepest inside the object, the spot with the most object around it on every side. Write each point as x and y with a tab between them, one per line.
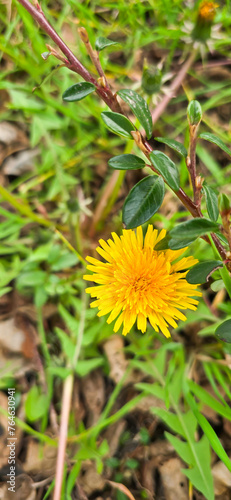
224	204
194	113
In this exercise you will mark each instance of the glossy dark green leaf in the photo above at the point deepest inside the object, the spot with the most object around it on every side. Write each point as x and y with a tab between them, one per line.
78	91
175	244
194	228
169	242
223	332
211	202
139	107
201	272
163	244
102	42
177	146
215	140
118	124
143	201
126	162
166	168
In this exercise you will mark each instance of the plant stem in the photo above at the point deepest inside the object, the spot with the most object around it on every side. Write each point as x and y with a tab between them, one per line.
191	161
94	55
174	87
72	62
66	405
107	96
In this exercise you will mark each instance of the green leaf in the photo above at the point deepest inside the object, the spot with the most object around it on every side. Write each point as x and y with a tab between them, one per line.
194	228
182	448
143	201
215	140
102	42
78	91
71	322
211	202
170	419
194	112
126	162
31	279
208	430
217	285
201	272
84	367
118	124
36	404
166	168
139	107
153	389
177	146
209	400
201	476
223	332
68	347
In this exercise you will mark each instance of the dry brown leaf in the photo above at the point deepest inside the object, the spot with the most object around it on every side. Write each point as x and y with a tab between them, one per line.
90	480
222	478
174	481
113	348
12	139
4	434
78	406
18	338
112	435
40	460
93	390
23	489
121	487
20	163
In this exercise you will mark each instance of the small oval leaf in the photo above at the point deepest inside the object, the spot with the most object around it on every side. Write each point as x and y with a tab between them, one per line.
166	168
126	162
194	112
143	201
102	42
177	146
201	272
118	124
215	140
178	244
211	202
217	285
139	107
78	91
223	332
194	228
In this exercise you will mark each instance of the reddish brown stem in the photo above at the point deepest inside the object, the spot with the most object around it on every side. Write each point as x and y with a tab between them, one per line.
177	82
107	96
74	64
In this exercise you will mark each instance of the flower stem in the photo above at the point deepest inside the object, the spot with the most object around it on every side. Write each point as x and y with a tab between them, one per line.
177	82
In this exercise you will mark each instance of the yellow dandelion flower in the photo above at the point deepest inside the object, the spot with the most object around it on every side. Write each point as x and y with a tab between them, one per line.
207	10
140	283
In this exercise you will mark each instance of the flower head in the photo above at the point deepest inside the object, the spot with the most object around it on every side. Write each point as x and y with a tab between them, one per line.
207	10
140	283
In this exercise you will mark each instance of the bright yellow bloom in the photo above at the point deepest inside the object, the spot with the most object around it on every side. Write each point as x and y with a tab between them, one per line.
138	282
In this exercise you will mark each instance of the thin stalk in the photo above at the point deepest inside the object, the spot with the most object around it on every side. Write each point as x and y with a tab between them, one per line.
94	55
191	162
71	60
66	405
177	82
